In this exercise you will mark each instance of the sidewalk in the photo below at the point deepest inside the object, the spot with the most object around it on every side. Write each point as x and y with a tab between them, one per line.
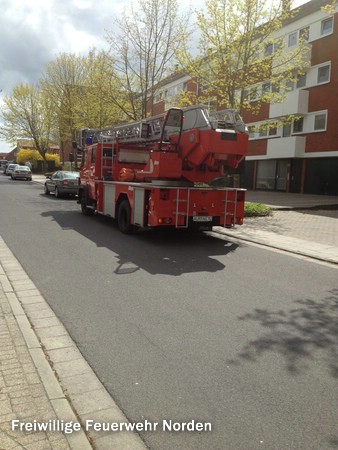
302	224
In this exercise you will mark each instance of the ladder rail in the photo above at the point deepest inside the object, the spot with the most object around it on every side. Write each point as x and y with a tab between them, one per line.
226	212
182	213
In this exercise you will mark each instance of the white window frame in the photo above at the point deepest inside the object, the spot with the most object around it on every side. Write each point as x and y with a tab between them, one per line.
293	39
301	79
322	27
318	114
252	131
301	119
329	73
273	129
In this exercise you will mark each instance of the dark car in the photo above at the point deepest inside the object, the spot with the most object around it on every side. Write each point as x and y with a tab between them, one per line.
62	183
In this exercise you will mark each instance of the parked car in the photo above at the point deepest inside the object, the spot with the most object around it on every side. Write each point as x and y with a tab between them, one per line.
21	173
62	183
5	166
9	169
3	163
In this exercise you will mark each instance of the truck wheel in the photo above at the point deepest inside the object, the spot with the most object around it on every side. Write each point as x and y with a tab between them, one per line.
123	218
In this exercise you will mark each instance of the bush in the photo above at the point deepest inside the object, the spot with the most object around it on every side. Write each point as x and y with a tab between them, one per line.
256	210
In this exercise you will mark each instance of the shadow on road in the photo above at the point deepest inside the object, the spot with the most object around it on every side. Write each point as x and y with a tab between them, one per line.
297	334
165	252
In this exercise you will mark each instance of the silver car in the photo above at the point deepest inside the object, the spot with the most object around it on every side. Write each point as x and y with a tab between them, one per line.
10	168
21	173
62	183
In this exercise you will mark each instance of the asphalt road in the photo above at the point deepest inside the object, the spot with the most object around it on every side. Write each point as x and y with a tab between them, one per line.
182	327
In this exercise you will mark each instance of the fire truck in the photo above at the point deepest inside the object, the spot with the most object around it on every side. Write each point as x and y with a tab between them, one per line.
156	172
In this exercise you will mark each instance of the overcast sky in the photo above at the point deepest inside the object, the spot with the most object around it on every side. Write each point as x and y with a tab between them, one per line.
34	32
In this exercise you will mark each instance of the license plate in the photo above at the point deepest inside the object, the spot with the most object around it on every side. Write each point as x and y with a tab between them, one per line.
202	218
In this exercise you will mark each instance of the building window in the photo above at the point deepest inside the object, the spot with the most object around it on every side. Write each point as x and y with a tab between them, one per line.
273	129
298	125
320	122
266	172
301	82
287	130
292	39
323	74
327	26
290	86
269	49
263	132
252	130
304	34
266	88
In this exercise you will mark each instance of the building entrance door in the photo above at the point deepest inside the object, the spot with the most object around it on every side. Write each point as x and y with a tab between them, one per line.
296	175
281	175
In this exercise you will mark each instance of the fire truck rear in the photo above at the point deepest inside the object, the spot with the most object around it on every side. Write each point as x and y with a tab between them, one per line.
156	172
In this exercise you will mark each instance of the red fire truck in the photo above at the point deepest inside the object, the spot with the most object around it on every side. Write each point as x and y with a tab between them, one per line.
155	172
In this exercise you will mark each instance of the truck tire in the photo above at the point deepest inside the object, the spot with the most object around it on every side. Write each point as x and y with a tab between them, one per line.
123	218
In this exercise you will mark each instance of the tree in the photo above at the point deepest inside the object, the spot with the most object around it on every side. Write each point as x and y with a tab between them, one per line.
26	114
61	85
144	46
242	53
102	102
82	91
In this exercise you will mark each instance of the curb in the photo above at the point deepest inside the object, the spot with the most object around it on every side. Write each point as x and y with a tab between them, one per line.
289	245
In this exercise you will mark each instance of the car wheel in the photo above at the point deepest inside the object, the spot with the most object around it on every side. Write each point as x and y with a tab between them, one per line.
45	189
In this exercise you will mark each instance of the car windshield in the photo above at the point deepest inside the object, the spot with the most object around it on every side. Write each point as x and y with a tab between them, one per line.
70	175
22	168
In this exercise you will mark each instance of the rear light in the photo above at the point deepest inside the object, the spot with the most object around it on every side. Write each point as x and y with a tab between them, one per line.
164	221
65	182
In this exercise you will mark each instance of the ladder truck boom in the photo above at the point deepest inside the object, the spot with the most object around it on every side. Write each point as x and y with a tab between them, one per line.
154	172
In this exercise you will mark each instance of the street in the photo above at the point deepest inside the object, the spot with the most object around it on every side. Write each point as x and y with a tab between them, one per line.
188	327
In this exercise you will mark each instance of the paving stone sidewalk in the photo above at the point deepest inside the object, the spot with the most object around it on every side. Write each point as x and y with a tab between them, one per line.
310	233
22	394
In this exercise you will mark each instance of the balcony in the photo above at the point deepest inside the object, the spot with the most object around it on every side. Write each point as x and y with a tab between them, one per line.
296	102
287	147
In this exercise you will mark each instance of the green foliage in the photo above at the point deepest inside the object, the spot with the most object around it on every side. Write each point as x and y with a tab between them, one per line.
256	210
26	113
233	59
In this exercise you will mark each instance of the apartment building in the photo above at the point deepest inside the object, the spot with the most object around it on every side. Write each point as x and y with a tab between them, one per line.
299	156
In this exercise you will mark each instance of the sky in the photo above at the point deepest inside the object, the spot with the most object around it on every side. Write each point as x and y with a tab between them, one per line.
35	32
